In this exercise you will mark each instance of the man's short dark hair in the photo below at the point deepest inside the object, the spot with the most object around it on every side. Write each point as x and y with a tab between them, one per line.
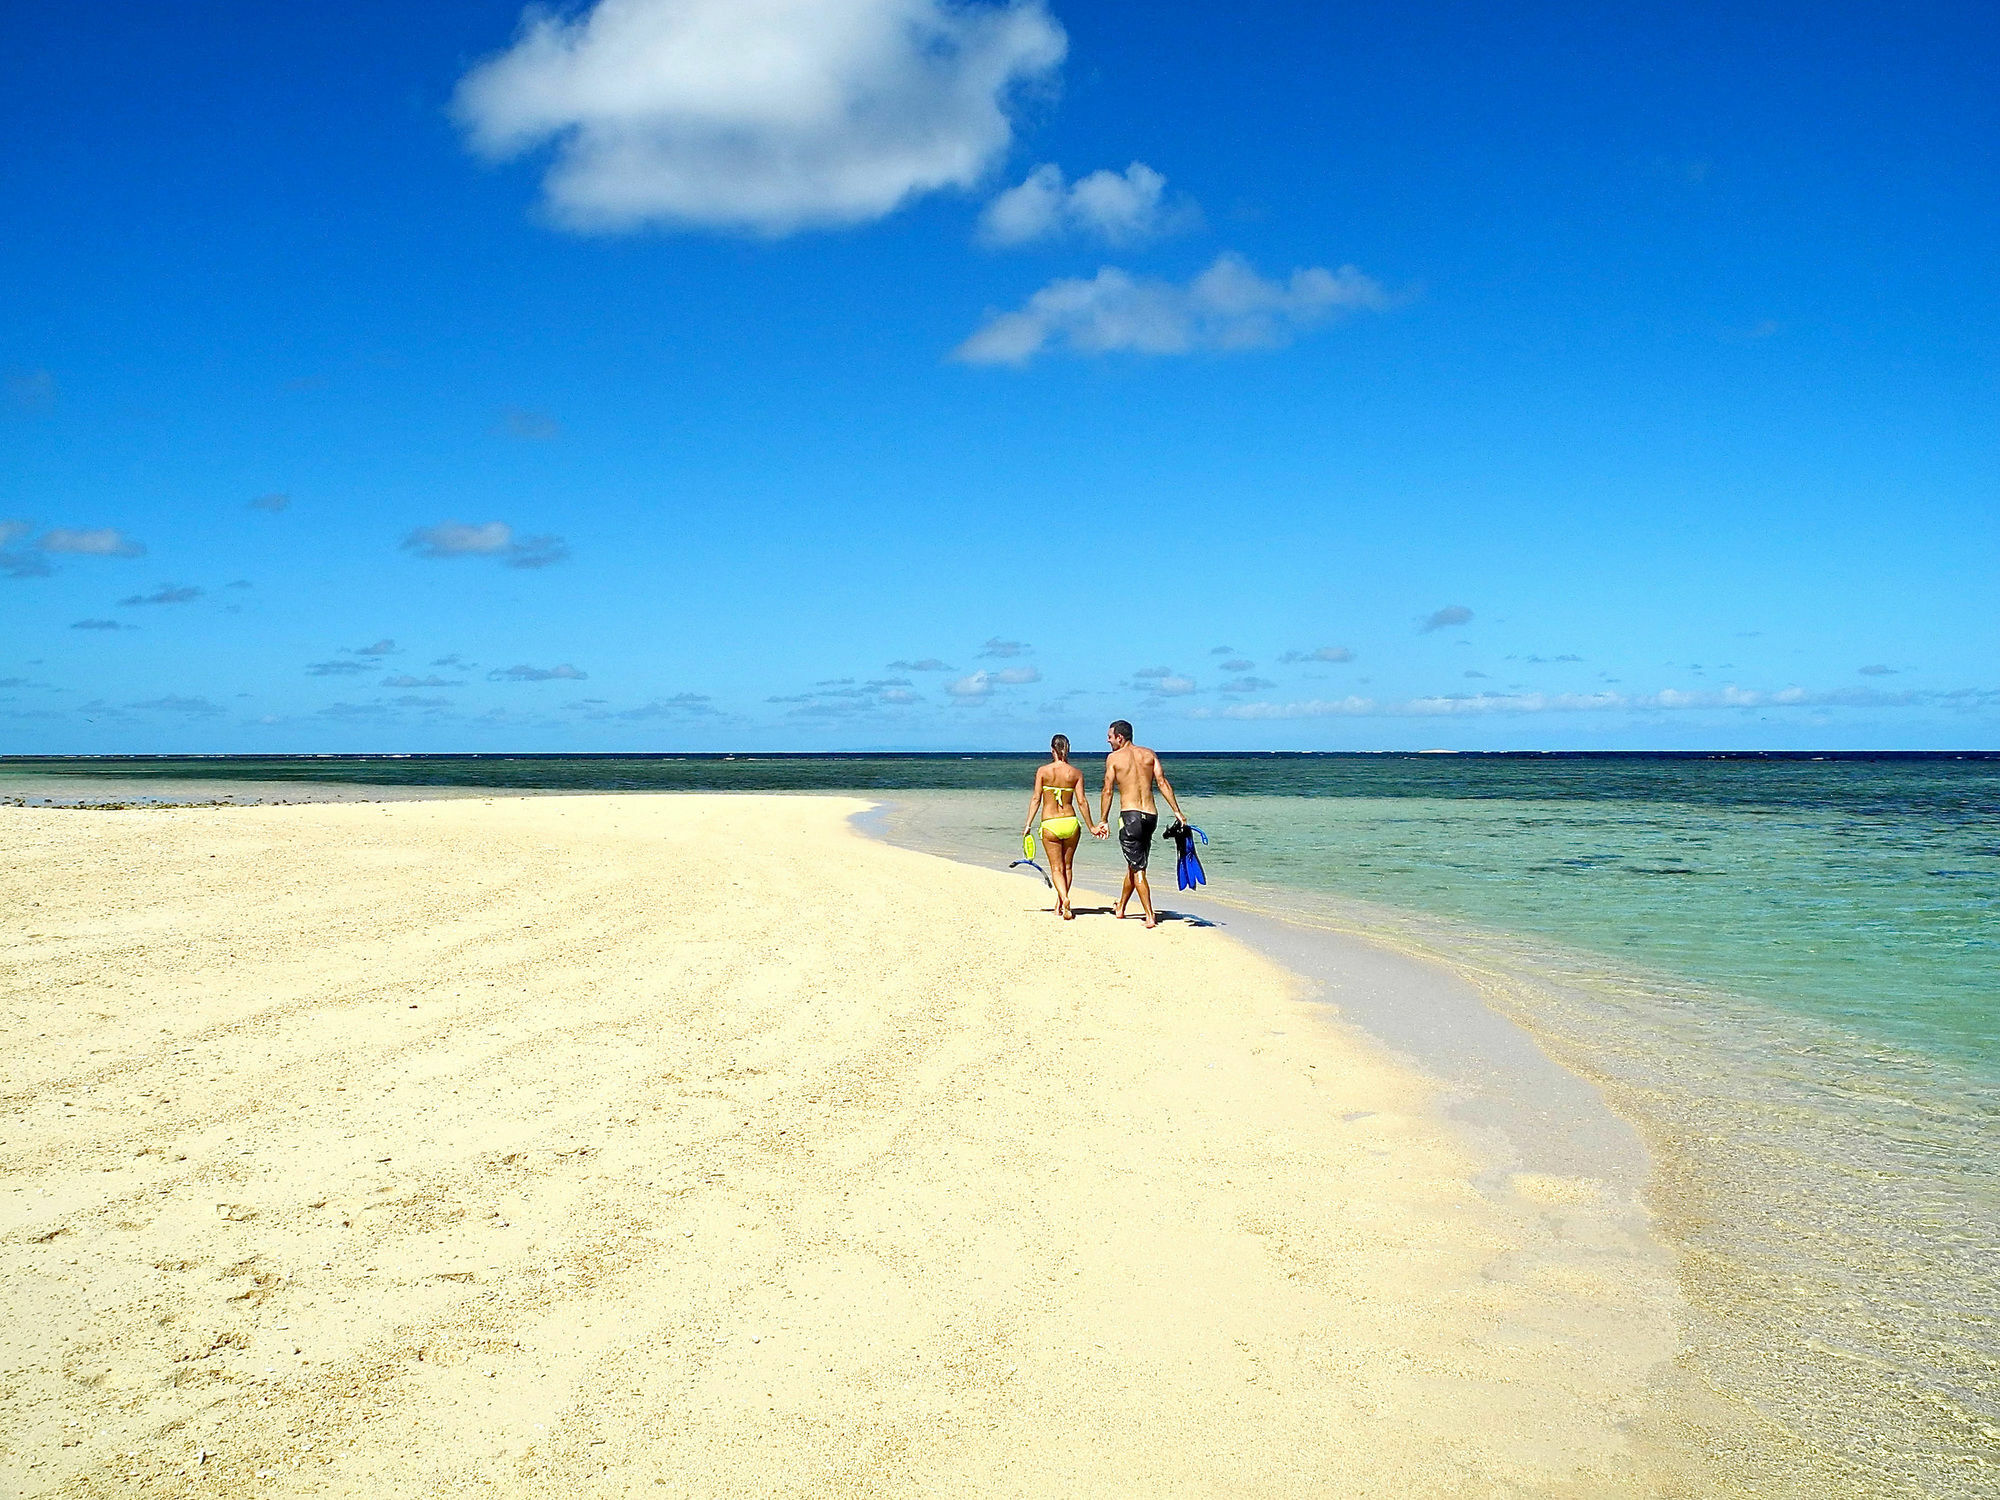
1122	728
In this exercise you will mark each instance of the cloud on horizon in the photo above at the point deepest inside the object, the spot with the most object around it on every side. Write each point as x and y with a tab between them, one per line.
1227	308
680	706
1475	705
758	116
453	539
1117	208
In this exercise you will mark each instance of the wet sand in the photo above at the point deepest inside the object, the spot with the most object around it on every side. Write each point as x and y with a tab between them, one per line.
699	1144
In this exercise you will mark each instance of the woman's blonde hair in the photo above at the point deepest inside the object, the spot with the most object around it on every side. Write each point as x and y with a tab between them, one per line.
1060	744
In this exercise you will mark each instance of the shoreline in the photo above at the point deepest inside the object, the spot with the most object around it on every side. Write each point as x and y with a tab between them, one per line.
1486	1065
546	1159
1826	1230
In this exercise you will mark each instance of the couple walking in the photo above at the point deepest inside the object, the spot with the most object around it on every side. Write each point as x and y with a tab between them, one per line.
1064	807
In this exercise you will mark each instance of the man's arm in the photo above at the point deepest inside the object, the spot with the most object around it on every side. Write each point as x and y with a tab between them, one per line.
1167	788
1110	782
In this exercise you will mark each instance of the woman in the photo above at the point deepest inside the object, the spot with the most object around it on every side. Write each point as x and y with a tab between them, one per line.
1060	801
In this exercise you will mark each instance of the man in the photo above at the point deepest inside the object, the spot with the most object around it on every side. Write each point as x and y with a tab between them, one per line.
1131	770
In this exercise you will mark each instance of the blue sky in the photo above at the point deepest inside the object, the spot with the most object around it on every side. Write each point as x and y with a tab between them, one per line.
795	374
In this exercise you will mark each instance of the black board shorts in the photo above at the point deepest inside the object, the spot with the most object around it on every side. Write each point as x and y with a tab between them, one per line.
1135	836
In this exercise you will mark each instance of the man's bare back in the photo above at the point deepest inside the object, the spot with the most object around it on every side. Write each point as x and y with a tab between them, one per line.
1131	771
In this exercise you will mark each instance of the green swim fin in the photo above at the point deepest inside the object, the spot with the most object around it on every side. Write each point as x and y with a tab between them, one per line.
1028	845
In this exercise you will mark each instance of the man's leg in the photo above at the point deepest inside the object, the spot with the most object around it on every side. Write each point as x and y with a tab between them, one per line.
1124	893
1138	877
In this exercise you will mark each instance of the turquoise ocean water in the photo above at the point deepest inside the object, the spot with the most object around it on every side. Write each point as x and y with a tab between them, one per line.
1784	970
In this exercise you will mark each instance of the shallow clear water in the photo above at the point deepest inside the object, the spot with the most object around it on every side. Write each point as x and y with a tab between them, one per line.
1784	970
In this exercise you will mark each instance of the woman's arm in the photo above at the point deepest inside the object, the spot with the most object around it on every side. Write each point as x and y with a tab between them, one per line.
1034	804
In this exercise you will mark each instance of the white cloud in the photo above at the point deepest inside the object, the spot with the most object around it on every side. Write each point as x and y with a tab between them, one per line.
926	664
1318	653
767	116
975	687
449	539
1228	306
100	541
1475	705
1119	208
457	539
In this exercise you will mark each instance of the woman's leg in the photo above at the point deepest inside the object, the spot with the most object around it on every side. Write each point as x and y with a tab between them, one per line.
1062	856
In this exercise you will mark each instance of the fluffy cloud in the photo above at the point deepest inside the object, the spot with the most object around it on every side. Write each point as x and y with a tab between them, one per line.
1318	653
383	647
405	680
1239	664
1228	306
976	687
338	667
997	647
928	664
1119	208
101	541
166	593
1478	705
1876	670
272	503
766	116
449	539
30	560
1015	676
561	673
1444	619
1247	685
1163	682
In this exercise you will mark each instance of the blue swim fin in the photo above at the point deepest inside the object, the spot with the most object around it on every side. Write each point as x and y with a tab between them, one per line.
1036	868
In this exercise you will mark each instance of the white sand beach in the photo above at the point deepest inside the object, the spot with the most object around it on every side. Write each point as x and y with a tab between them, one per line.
697	1144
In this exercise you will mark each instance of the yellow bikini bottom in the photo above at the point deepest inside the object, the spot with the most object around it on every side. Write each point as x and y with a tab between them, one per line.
1060	829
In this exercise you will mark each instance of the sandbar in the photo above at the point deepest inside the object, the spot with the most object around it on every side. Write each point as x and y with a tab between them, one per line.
698	1144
